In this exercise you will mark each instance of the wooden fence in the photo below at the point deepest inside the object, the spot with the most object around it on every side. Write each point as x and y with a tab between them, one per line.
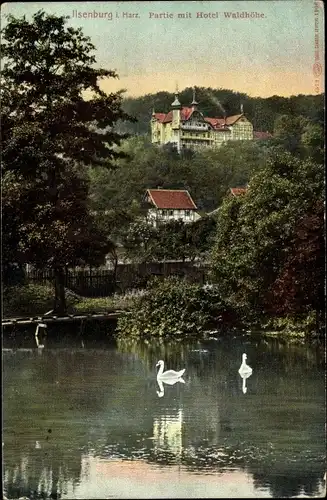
103	282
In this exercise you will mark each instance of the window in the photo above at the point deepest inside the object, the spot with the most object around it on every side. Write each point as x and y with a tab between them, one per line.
187	213
170	212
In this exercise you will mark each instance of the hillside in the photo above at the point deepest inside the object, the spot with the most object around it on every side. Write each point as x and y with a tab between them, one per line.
262	112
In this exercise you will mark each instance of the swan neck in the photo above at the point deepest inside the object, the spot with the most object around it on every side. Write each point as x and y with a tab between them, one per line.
161	368
161	387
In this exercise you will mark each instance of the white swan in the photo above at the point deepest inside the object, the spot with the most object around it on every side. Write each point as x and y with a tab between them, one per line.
40	325
245	371
169	374
244	368
168	382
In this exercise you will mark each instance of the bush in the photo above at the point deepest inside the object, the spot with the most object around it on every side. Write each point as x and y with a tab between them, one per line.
306	325
27	299
171	307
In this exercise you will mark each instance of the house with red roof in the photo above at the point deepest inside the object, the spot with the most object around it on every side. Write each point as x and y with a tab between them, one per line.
165	205
238	191
187	127
235	191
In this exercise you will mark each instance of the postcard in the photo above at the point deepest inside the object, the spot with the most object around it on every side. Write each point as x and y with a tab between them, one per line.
163	238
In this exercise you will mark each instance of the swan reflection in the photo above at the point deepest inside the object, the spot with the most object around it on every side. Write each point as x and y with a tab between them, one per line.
244	377
245	372
161	383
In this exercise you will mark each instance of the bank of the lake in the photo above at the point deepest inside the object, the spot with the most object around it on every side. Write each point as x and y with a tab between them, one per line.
166	310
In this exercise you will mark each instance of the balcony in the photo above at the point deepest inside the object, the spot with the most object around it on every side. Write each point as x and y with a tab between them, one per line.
196	128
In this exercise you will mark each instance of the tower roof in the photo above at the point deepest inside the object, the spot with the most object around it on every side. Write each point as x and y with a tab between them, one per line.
194	103
176	103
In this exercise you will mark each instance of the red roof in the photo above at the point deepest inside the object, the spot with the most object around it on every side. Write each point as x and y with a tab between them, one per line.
216	123
186	113
166	118
160	116
230	120
262	135
171	198
237	191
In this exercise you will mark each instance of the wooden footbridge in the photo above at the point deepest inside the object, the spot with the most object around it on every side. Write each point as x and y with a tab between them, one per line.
110	315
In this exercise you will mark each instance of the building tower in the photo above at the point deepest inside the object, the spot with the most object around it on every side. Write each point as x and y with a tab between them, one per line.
176	121
194	104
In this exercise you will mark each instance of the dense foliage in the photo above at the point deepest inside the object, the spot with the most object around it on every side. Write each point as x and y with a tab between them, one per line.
174	240
268	254
50	134
172	307
262	112
206	174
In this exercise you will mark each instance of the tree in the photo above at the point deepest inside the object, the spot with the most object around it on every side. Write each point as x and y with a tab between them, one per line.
50	134
287	132
139	241
200	236
300	136
299	285
313	142
173	243
256	230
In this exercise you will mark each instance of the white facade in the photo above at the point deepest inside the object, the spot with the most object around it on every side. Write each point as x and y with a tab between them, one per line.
158	216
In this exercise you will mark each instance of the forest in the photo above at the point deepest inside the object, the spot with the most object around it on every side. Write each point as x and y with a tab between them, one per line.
262	112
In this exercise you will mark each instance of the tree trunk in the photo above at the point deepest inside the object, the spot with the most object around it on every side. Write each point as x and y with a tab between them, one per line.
60	299
115	262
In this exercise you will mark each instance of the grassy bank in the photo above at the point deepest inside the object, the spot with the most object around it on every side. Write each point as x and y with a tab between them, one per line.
168	311
34	300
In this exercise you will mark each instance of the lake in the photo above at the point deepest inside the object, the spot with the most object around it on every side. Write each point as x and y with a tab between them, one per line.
92	422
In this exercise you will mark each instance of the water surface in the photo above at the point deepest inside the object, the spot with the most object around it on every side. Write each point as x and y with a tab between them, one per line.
83	423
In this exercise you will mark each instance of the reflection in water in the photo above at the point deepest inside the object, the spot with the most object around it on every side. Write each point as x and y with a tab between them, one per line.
167	433
161	383
86	398
40	334
244	377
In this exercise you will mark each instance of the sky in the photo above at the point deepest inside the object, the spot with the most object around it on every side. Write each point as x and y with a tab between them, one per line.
156	46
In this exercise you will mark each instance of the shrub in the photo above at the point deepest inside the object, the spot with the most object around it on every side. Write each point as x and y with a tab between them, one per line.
171	307
306	325
27	299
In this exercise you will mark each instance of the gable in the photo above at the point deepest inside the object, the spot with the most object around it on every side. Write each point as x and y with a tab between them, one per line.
171	199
